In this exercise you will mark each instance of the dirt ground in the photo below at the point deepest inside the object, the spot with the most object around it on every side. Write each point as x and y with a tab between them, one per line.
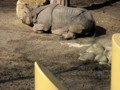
20	47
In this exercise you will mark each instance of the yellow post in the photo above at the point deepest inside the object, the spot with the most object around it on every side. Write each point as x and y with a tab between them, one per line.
45	80
115	73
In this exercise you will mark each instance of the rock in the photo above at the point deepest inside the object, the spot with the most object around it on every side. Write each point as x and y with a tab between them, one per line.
108	53
101	58
98	57
20	7
96	48
109	56
97	53
90	49
107	49
109	62
87	56
104	63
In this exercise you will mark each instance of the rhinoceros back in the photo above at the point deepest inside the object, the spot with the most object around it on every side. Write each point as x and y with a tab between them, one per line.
64	16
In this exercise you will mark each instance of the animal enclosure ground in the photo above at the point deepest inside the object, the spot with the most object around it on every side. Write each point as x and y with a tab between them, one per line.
20	47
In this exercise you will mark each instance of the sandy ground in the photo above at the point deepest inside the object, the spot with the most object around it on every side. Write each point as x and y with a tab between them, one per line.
20	47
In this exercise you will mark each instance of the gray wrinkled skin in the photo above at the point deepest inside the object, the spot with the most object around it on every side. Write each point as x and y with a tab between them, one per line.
60	20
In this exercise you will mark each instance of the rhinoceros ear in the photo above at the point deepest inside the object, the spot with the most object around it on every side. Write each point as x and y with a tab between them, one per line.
37	5
27	6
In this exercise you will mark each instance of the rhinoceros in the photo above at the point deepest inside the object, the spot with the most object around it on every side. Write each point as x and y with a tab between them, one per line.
60	20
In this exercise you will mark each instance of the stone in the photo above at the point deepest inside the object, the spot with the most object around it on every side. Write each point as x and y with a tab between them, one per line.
109	56
99	49
101	58
103	63
20	7
87	56
107	49
96	48
108	53
90	49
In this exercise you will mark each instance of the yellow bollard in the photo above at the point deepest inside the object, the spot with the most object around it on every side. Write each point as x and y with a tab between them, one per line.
45	80
115	73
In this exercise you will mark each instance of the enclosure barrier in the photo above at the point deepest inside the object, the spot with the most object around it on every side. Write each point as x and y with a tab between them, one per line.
45	80
115	73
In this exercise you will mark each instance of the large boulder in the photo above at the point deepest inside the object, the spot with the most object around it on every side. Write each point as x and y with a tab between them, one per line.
20	7
97	52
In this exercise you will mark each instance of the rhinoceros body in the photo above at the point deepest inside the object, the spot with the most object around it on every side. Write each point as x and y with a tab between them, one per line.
65	21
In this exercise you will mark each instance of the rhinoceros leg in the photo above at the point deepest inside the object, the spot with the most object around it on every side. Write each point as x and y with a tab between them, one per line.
38	28
69	32
73	30
68	35
59	31
64	32
76	28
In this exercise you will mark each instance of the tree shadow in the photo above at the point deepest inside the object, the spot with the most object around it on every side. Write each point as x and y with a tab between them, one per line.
16	79
96	6
99	32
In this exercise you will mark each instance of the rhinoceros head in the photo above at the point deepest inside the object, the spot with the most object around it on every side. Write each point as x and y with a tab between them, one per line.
27	16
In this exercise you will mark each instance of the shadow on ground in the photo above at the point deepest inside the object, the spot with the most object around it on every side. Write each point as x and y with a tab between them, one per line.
100	31
104	4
